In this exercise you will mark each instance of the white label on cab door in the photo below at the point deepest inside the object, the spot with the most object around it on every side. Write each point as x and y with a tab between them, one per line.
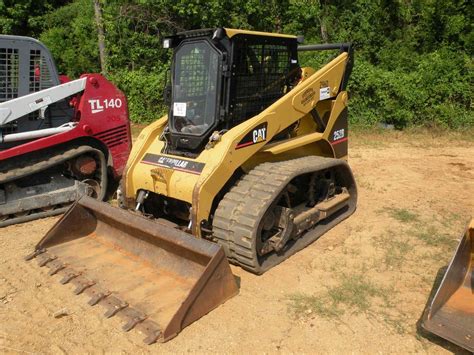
179	109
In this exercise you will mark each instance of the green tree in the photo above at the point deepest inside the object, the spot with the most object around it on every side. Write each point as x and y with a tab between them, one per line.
70	34
414	59
22	17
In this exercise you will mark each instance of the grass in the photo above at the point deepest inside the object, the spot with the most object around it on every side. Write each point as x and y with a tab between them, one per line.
363	182
429	234
396	323
396	253
451	218
302	305
403	215
354	293
432	237
400	214
395	247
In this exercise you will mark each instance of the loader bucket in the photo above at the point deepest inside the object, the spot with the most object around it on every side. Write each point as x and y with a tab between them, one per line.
450	314
157	278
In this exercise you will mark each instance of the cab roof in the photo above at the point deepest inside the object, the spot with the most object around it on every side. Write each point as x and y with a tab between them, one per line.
220	33
230	32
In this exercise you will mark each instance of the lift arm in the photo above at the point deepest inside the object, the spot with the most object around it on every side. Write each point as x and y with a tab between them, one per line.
16	108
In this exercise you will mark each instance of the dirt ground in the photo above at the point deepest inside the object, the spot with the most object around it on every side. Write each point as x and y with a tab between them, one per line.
361	288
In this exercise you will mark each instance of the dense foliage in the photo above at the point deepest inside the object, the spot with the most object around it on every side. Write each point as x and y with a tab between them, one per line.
414	58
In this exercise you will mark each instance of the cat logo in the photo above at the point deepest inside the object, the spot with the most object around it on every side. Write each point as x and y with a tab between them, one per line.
259	135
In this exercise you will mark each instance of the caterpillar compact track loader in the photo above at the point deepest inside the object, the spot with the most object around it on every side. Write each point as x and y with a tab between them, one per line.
251	156
59	139
450	314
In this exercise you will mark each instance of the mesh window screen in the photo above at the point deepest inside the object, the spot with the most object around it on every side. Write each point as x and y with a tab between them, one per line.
9	79
26	67
192	76
40	76
261	75
194	88
9	75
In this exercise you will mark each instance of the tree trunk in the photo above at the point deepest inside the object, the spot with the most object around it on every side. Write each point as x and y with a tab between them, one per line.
101	36
324	32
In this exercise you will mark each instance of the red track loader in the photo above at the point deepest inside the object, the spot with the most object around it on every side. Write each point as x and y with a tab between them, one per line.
59	139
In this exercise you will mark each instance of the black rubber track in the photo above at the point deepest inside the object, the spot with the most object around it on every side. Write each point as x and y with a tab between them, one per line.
29	167
26	168
239	213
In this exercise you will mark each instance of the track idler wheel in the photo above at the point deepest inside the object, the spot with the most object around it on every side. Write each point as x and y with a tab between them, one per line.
93	188
275	231
84	165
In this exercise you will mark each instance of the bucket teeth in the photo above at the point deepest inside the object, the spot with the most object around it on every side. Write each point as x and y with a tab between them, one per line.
151	331
81	283
97	298
114	257
96	294
132	323
113	305
34	254
45	258
133	316
55	266
69	274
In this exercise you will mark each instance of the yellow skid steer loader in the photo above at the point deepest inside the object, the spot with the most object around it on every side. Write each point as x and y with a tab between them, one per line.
451	312
250	163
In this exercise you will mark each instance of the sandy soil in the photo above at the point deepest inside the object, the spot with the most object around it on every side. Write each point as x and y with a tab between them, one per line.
372	274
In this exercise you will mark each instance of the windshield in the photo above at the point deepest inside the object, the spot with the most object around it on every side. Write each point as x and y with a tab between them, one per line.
194	97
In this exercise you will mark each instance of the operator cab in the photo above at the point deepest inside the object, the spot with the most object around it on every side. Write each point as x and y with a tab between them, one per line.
26	66
222	77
